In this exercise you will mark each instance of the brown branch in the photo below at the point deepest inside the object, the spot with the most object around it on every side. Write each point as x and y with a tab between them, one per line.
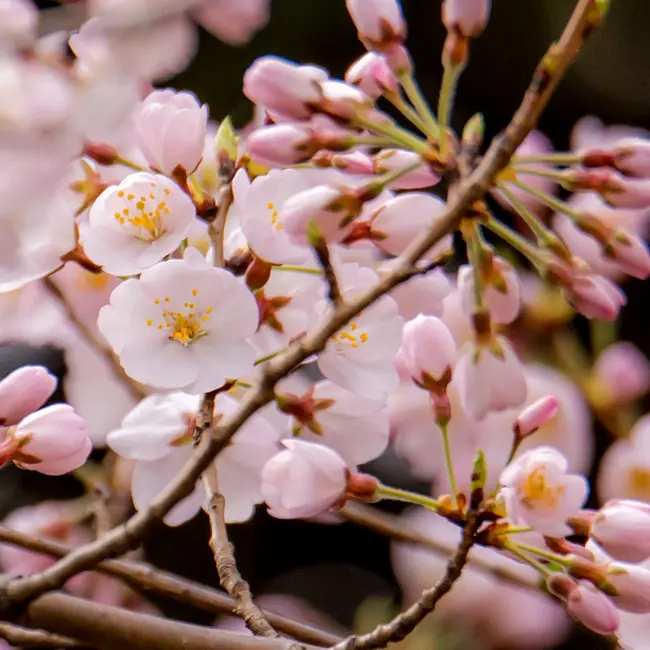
216	228
224	557
547	76
405	622
322	252
395	528
20	636
107	628
147	578
88	335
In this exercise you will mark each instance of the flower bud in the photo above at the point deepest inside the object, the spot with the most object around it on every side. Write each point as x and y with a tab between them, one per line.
586	603
632	585
23	391
536	415
281	144
283	87
343	101
622	528
171	129
355	162
632	157
380	23
304	480
372	74
630	193
469	17
623	372
388	160
428	352
51	441
594	296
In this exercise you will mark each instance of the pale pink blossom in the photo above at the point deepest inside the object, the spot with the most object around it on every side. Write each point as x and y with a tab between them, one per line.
372	74
18	23
400	220
157	434
632	585
182	325
23	391
388	160
622	529
467	16
233	21
343	101
283	87
359	357
455	317
623	372
281	144
304	480
489	378
428	351
171	129
260	205
590	133
353	426
623	192
377	20
134	225
503	302
539	493
536	415
632	157
594	296
51	441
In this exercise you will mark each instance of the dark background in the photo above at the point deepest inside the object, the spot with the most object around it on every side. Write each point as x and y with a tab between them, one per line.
338	567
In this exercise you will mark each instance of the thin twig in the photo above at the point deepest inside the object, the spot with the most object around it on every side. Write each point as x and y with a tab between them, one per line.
547	76
322	252
20	636
224	557
93	340
149	579
216	228
405	622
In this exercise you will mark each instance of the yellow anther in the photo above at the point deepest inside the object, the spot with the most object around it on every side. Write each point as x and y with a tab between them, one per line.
150	322
194	292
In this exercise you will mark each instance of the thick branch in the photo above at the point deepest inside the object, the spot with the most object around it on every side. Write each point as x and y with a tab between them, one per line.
107	627
146	578
224	557
547	76
20	636
404	623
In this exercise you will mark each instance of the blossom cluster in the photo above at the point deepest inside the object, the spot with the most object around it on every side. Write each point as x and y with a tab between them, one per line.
173	257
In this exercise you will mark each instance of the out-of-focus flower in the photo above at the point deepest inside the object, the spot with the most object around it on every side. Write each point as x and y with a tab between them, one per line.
622	529
622	373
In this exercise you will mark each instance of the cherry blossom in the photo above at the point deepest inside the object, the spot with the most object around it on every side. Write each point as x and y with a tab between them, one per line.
182	324
23	391
622	529
467	16
539	493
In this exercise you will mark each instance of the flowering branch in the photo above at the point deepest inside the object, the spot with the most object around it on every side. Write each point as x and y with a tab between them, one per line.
224	557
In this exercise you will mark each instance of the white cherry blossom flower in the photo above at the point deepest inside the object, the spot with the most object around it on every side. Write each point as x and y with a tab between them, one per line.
134	225
182	325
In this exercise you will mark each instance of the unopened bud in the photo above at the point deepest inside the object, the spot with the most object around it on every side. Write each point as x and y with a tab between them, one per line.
536	415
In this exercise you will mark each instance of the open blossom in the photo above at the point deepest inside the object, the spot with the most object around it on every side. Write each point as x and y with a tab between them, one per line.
622	528
539	493
157	434
171	129
489	379
183	324
51	441
623	373
23	391
134	225
304	480
359	357
372	74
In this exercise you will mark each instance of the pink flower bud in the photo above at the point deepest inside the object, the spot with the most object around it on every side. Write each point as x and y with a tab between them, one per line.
622	192
52	441
380	23
632	584
469	17
592	608
283	87
320	205
630	253
171	129
428	351
354	162
388	160
536	415
372	74
632	157
281	144
304	480
622	528
18	21
23	391
341	100
624	372
594	296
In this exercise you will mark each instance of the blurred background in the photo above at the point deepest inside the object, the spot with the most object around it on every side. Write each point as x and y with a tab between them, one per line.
342	571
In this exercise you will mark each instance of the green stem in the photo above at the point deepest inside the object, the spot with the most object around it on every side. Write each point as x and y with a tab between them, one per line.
298	269
267	357
398	102
474	254
602	334
562	159
544	236
449	464
547	199
395	494
515	549
129	163
553	174
547	555
514	239
416	98
397	135
394	174
513	530
446	102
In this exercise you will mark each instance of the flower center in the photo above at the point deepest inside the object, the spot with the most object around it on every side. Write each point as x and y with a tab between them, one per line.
184	325
534	491
639	483
274	216
351	336
144	213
